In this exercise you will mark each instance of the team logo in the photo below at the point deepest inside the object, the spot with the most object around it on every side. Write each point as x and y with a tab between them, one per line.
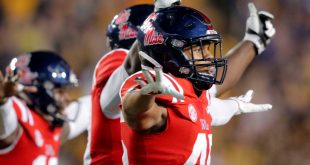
192	112
21	64
122	17
153	38
126	32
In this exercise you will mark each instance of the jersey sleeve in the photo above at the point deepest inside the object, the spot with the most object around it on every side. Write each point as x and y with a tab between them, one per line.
130	84
78	113
107	65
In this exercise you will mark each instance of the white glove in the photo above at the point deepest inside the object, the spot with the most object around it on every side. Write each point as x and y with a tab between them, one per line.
245	105
157	86
259	28
161	4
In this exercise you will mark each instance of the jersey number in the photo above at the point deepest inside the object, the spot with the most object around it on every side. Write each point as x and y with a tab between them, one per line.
200	150
42	159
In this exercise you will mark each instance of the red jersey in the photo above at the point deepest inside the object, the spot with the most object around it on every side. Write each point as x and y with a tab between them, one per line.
187	138
104	136
37	143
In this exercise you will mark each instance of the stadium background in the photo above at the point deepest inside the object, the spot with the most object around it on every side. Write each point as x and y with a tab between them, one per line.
280	76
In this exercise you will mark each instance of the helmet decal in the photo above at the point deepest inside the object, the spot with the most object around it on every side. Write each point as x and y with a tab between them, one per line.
126	32
123	29
24	72
153	38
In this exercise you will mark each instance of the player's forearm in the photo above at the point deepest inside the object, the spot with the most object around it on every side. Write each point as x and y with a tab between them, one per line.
109	98
135	104
8	120
142	113
78	113
239	58
222	110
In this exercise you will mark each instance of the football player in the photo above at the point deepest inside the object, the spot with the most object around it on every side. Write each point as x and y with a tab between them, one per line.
32	101
103	146
105	89
170	109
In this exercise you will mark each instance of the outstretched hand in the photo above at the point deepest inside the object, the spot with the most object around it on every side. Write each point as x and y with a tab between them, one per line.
9	86
245	105
156	87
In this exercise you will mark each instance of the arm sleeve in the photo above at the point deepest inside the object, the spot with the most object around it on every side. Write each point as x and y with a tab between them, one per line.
8	119
221	110
213	91
78	114
109	98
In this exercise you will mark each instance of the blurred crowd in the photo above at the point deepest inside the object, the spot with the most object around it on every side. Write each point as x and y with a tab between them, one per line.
280	76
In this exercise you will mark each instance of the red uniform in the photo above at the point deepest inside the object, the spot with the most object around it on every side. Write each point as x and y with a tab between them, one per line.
187	137
104	136
37	142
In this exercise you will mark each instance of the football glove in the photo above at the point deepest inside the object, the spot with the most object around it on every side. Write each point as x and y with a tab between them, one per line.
156	87
161	4
245	105
259	28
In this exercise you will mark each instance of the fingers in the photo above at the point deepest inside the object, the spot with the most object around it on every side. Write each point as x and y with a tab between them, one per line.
260	107
248	96
29	89
11	77
174	93
252	8
149	90
149	59
265	15
159	74
148	76
140	81
15	78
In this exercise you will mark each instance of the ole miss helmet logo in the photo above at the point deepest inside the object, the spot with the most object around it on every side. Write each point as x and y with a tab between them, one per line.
126	32
153	38
21	63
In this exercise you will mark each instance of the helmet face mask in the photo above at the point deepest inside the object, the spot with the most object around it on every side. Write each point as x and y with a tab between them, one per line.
204	63
47	71
183	41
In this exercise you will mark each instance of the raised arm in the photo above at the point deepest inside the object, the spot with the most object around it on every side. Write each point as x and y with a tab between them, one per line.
78	118
258	34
